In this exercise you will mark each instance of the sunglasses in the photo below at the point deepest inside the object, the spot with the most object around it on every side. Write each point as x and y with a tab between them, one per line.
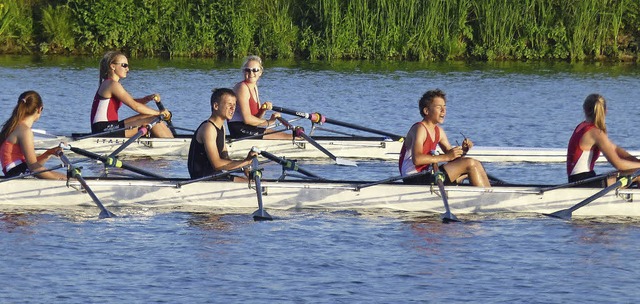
124	65
249	70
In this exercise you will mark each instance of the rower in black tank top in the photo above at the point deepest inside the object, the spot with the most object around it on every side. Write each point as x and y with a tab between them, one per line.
198	163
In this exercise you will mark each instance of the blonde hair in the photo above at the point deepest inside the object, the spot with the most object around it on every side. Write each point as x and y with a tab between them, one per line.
252	58
106	62
595	107
28	103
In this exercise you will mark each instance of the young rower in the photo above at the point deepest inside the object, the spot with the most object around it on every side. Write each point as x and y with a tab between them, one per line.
114	66
424	137
248	119
208	150
17	152
589	139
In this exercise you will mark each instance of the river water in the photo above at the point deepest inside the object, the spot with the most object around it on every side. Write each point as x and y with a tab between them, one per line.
332	257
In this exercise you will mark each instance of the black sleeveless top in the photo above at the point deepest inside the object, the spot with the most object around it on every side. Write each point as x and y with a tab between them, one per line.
198	163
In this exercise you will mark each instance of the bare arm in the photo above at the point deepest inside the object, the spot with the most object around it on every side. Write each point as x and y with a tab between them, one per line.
419	135
610	150
35	164
208	135
243	94
116	89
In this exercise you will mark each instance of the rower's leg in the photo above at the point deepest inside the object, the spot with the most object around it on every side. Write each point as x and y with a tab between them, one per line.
471	167
159	130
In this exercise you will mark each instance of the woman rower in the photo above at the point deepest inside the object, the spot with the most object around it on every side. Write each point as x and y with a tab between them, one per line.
111	95
248	119
423	139
17	152
589	139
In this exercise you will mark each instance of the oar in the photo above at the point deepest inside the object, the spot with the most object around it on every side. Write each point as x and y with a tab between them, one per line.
447	216
286	164
142	131
113	162
74	171
56	167
318	118
390	179
299	132
580	182
103	133
565	214
169	123
209	177
256	175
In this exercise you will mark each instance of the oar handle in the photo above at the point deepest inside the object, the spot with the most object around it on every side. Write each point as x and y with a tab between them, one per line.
142	131
319	118
113	162
169	123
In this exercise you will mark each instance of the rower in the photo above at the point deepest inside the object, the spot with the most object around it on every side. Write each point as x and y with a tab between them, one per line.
17	152
425	136
114	66
208	152
248	120
589	139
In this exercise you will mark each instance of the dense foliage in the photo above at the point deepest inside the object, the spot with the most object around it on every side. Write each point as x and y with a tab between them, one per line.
327	29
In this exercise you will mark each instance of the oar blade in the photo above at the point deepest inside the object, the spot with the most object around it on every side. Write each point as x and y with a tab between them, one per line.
449	217
106	214
564	214
345	162
261	215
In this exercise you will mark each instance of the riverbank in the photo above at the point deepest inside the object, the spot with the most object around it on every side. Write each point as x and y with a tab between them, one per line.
484	30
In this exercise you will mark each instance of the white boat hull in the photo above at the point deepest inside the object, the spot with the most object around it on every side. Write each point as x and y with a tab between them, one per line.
27	194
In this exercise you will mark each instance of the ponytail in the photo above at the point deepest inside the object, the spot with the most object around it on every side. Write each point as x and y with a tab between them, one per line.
28	103
595	107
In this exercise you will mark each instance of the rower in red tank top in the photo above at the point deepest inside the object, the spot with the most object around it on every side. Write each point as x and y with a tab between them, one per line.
425	136
589	139
248	119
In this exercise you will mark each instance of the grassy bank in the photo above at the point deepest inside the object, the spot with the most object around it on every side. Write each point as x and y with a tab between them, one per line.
572	30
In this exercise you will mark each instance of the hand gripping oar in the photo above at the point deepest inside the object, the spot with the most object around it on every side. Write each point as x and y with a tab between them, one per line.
319	118
73	171
565	214
447	216
142	131
286	164
256	175
113	162
169	123
299	132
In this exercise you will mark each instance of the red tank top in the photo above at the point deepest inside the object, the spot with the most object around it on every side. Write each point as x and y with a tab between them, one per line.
10	156
577	160
405	163
104	109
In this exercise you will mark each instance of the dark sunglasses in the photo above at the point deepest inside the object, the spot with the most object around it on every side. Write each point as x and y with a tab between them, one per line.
249	70
124	65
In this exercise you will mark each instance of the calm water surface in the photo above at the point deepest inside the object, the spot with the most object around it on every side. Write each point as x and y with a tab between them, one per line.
331	257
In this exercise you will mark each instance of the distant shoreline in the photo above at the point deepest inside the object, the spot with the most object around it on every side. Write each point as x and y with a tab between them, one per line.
408	30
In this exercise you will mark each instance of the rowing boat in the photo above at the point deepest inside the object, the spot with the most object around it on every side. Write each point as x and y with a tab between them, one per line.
373	148
28	193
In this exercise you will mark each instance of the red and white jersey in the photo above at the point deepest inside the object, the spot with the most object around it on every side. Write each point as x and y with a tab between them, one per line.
578	160
104	109
10	156
405	163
